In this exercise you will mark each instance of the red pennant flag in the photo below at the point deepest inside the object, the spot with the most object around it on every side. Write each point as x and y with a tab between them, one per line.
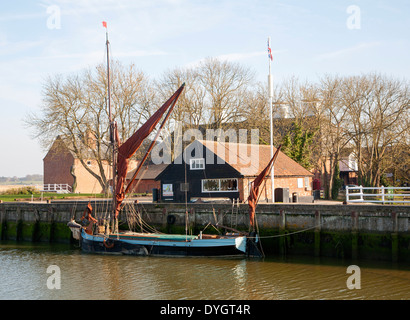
104	24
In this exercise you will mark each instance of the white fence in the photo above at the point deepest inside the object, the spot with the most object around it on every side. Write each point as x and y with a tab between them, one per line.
59	188
384	195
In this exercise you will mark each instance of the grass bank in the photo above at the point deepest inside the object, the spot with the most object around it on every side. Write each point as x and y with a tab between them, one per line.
32	194
29	193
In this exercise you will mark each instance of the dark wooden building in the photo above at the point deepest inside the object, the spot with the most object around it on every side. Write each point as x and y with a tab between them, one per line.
210	169
199	176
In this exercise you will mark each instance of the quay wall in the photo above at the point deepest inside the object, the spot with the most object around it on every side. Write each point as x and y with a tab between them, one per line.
344	231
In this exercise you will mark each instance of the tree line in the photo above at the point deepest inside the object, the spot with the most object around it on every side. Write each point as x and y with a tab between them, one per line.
366	115
27	178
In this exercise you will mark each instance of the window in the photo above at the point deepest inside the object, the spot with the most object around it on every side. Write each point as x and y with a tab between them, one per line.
220	185
184	186
228	185
210	185
307	184
197	164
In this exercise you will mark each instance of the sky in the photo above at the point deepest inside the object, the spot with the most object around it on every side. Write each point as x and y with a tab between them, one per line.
309	39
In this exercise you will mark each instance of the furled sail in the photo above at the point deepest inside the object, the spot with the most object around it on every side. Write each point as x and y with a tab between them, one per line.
129	147
254	191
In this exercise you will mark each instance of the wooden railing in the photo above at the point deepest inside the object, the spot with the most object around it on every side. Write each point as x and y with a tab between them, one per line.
59	188
384	195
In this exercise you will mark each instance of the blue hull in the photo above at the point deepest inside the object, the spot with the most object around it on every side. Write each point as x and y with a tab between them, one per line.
175	246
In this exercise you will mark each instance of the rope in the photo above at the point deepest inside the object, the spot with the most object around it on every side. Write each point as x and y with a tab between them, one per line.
186	201
134	217
299	231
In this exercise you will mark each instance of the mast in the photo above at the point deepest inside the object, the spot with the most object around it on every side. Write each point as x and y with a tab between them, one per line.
112	123
122	152
270	84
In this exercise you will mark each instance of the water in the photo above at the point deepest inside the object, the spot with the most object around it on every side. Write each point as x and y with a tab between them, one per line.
23	275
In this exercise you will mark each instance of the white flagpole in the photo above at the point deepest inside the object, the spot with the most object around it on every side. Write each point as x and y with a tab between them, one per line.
270	84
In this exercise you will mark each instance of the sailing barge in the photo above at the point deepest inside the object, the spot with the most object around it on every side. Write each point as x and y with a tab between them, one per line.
95	237
103	236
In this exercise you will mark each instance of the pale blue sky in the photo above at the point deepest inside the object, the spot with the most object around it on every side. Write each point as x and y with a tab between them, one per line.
309	39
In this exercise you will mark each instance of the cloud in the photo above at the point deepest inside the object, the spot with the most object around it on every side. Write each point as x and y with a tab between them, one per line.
22	16
240	56
347	51
246	55
236	57
97	55
140	53
11	48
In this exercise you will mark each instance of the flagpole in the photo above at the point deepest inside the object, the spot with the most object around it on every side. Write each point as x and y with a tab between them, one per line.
108	72
270	84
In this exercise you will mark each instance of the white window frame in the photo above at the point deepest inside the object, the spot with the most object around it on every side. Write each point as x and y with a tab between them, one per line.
307	183
219	185
197	164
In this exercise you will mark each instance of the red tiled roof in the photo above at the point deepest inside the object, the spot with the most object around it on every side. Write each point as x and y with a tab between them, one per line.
148	172
251	159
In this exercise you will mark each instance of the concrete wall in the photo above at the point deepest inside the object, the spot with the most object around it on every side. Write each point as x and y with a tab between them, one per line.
344	231
281	182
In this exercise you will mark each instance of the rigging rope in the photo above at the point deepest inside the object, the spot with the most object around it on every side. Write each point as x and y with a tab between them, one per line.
300	231
186	201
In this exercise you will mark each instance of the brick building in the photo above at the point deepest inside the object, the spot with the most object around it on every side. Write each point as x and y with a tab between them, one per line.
61	167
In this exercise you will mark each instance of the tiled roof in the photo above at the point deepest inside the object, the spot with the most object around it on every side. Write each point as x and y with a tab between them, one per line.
148	172
250	159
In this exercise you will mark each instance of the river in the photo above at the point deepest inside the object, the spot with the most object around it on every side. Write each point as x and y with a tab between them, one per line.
31	271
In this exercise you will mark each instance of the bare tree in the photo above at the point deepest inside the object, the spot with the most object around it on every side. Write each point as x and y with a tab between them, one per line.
256	112
191	104
75	109
386	110
378	109
368	113
355	92
225	84
214	97
333	140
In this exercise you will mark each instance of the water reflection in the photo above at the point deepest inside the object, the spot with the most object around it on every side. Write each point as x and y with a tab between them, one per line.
86	276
